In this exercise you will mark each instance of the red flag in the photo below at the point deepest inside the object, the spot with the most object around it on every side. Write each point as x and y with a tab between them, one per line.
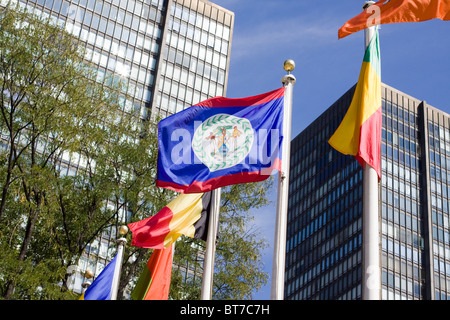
397	11
154	283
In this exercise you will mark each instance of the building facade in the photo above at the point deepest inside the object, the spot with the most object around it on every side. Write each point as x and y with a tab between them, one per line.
324	239
170	54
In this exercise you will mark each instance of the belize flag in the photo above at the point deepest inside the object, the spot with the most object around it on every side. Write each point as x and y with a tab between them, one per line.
220	142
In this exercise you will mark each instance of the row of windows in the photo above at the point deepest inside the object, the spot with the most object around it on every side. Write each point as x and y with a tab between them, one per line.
439	138
439	160
324	211
401	129
401	267
193	81
439	173
441	235
194	57
399	201
440	266
137	66
333	220
439	203
389	294
399	113
400	172
438	145
109	19
441	283
441	133
441	295
200	21
198	37
353	294
401	250
441	252
299	176
400	285
309	195
440	219
395	139
402	234
128	46
329	284
402	188
319	246
184	78
306	149
400	157
176	97
326	260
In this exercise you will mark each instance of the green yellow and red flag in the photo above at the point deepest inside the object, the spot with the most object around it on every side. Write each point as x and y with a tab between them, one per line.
359	133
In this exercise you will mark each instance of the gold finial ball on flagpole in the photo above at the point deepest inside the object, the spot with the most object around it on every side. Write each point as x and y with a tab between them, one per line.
289	65
123	230
88	274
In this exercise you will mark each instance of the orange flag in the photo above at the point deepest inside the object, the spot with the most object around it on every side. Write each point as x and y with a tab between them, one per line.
396	11
154	283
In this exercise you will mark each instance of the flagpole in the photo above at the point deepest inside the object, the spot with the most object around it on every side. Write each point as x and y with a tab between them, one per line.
210	251
118	267
279	249
370	232
88	275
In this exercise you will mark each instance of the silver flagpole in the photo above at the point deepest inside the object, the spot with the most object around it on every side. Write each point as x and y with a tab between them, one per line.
279	249
210	251
371	253
118	267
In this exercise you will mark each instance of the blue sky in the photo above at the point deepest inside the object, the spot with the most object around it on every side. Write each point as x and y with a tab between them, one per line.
414	60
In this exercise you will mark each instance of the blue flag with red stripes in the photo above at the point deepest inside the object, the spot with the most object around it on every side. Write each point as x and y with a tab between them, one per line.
220	142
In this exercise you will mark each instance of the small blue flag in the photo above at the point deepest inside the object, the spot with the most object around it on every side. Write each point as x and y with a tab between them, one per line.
100	289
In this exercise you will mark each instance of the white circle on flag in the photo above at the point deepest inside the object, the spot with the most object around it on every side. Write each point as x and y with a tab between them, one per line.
222	141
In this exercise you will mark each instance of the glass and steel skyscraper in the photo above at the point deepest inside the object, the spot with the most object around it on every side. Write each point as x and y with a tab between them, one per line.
169	53
324	240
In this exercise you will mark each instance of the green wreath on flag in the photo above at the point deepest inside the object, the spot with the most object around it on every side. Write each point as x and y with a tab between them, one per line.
222	141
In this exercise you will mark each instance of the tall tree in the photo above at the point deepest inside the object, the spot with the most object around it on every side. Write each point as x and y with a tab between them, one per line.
52	110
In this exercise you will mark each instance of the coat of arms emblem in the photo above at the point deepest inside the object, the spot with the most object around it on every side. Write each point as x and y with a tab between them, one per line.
222	141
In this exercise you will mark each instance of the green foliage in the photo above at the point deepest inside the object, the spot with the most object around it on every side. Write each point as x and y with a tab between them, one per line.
52	109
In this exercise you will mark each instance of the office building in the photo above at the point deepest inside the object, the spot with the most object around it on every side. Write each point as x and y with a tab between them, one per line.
324	239
170	54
